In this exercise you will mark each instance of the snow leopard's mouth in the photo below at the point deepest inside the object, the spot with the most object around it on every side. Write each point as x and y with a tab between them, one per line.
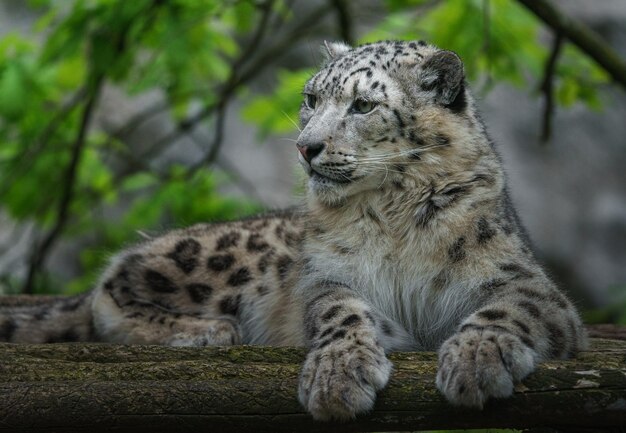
326	178
316	175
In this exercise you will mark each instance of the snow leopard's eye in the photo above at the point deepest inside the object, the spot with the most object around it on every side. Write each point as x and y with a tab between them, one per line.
310	100
362	106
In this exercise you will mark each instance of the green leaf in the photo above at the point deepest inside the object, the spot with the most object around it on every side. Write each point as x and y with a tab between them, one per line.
39	3
567	92
138	181
71	73
278	113
13	92
398	5
241	16
14	46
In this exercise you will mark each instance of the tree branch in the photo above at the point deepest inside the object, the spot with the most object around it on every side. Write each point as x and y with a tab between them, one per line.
241	181
547	87
138	119
257	37
216	144
40	252
254	389
92	90
238	78
605	330
344	20
581	36
26	158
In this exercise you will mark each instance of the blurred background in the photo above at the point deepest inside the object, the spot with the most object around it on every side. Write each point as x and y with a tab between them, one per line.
120	119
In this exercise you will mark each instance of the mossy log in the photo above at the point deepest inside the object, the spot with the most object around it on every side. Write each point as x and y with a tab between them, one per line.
99	387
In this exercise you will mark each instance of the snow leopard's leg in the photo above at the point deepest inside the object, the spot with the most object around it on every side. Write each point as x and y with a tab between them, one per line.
141	301
125	320
528	321
346	364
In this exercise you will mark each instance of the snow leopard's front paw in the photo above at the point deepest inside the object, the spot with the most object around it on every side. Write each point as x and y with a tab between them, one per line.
338	382
477	364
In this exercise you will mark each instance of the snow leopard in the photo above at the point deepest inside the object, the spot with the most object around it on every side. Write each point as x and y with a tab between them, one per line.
407	240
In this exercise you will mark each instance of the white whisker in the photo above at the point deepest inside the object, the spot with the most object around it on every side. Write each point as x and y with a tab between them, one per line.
373	168
291	120
382	161
388	156
384	178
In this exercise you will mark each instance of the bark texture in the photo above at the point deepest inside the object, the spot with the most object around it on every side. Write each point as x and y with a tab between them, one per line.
98	387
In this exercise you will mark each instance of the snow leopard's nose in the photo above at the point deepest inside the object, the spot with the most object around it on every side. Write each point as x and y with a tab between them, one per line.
310	151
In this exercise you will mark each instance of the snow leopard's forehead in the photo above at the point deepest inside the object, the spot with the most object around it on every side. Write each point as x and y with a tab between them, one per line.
386	57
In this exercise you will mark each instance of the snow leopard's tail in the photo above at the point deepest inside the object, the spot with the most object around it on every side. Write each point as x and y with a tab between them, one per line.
46	319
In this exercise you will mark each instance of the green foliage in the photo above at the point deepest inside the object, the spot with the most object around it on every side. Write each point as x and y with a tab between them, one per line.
184	48
579	79
182	200
278	113
502	41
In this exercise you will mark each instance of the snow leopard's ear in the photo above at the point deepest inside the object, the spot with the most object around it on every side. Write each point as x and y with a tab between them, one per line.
332	50
442	72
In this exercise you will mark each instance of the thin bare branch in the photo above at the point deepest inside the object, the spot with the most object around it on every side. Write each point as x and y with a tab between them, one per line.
228	88
344	20
139	119
238	78
92	88
258	35
26	159
231	170
242	182
581	36
547	87
216	144
40	251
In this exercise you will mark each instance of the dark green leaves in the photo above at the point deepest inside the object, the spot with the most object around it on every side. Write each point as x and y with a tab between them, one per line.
182	48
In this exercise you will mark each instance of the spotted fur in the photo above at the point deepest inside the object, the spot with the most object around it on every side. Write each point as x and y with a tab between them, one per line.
408	241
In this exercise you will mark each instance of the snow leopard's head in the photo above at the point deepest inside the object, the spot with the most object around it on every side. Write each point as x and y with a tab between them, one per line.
377	112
